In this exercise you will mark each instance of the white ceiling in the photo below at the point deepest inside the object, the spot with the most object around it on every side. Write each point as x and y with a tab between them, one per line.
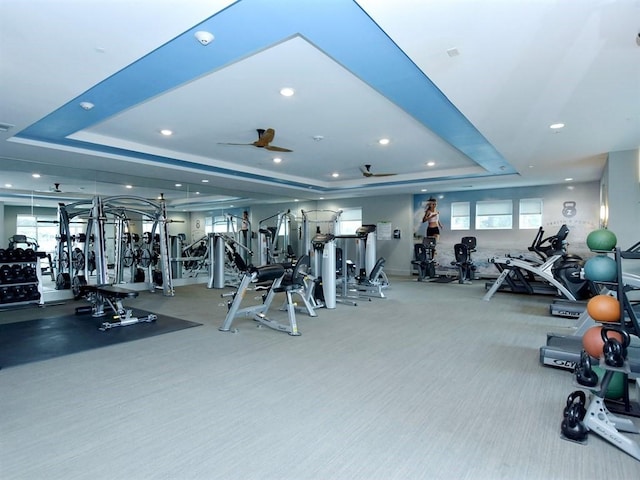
470	85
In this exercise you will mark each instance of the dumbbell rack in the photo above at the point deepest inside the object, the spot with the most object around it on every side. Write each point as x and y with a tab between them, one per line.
20	278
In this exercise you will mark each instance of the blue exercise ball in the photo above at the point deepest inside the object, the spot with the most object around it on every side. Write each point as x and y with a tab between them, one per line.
601	269
602	240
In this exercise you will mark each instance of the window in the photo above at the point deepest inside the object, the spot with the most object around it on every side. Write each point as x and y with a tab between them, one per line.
43	229
460	216
350	220
219	224
494	215
530	213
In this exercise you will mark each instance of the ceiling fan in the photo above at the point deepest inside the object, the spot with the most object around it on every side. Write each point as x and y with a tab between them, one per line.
265	137
55	188
366	172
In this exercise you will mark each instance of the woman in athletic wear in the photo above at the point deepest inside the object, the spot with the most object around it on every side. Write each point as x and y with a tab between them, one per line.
432	218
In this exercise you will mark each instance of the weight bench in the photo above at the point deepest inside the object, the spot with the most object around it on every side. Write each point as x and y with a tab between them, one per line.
268	273
101	295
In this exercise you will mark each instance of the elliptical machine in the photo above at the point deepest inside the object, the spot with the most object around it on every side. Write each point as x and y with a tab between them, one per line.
554	273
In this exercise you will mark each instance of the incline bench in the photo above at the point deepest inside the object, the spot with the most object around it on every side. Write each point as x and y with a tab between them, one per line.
99	295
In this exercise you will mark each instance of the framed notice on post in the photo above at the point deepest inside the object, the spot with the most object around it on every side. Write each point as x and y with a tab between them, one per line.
384	231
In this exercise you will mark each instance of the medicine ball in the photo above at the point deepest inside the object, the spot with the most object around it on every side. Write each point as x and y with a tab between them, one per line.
593	343
602	240
604	308
601	269
616	385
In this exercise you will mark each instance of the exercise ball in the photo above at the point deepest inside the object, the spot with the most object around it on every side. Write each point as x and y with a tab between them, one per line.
616	385
601	269
592	340
604	308
602	240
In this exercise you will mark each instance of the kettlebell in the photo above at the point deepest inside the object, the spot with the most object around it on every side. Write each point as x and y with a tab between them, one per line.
584	373
576	402
613	350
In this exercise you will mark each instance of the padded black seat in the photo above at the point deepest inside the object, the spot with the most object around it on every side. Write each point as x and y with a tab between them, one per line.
110	291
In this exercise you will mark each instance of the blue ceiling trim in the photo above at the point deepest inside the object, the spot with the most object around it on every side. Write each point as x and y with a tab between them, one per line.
340	28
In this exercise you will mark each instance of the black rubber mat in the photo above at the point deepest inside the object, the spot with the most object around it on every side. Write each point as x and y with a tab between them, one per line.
42	339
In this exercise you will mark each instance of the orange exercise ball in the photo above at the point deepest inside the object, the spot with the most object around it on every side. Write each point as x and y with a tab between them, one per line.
592	340
604	308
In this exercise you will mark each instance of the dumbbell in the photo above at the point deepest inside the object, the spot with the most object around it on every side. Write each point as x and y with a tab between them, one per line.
6	294
29	274
6	274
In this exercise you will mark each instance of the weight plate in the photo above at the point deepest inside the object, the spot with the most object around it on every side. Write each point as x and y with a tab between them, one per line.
63	281
78	282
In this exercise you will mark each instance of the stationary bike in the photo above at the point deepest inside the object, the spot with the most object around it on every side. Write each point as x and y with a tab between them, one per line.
423	258
462	251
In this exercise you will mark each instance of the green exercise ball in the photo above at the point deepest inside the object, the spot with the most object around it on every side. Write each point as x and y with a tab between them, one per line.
602	240
601	269
616	386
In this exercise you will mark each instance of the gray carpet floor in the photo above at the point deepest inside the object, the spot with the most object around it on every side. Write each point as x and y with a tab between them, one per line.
429	383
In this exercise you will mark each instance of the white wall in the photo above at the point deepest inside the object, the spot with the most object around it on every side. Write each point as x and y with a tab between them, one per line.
622	184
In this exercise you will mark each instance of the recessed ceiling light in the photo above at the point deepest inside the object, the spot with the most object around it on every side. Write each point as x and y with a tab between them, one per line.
431	164
166	132
556	126
86	105
35	175
204	180
8	185
178	185
277	160
383	141
296	200
321	198
128	186
568	179
423	189
197	193
287	92
335	174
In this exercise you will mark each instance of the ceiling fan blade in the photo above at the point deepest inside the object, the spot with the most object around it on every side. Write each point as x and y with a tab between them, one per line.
265	137
273	148
366	172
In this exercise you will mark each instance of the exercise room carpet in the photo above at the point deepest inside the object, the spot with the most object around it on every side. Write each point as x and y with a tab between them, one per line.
42	339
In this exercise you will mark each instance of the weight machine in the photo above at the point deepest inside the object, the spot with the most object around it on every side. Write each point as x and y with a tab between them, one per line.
277	243
228	265
93	255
